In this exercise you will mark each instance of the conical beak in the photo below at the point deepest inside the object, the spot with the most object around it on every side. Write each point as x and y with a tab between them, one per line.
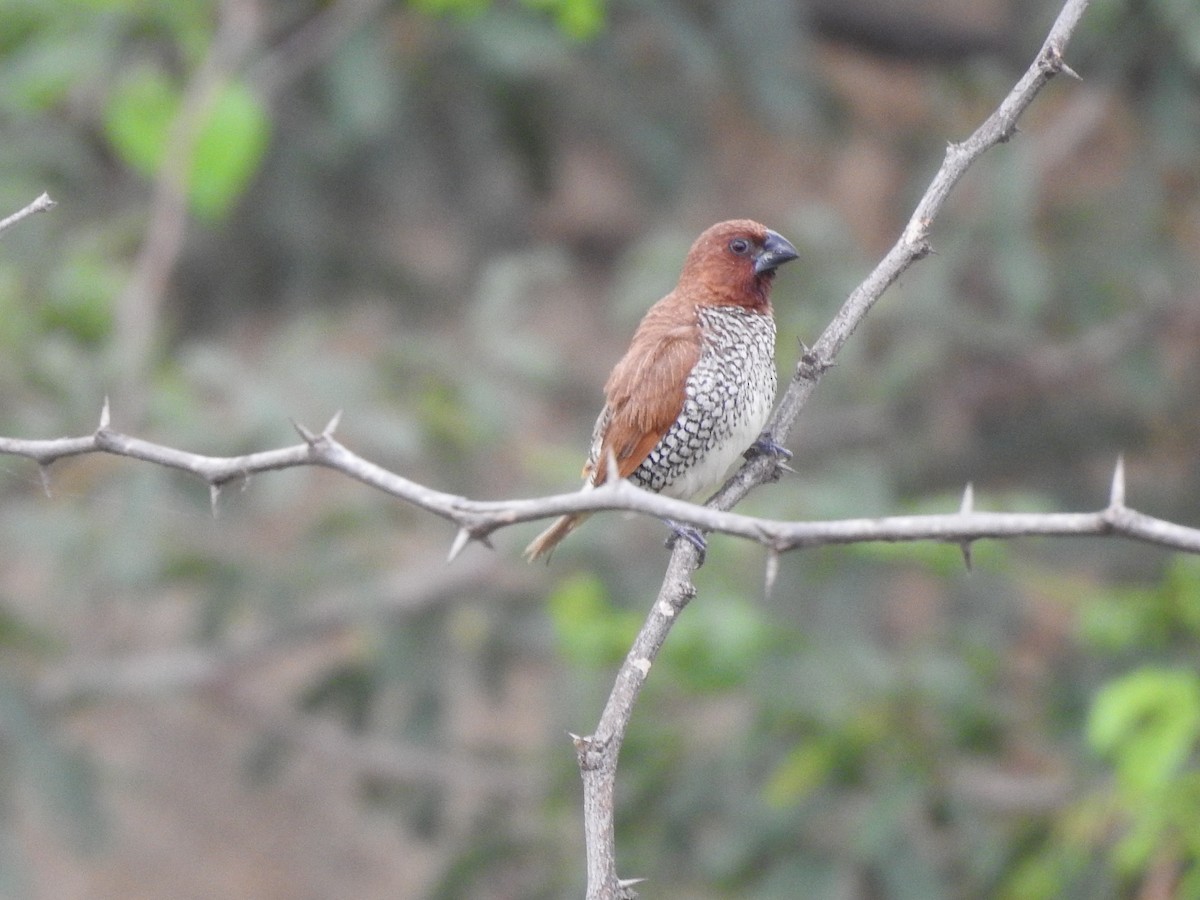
775	252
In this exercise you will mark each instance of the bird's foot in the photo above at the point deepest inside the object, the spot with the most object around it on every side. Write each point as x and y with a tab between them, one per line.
689	534
766	446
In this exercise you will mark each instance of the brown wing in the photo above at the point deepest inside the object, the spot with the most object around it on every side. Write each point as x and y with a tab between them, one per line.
646	389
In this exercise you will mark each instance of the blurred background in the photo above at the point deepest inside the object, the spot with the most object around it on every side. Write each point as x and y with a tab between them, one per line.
445	217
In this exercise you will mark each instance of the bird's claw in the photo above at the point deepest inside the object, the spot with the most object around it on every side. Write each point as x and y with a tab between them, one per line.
766	446
689	534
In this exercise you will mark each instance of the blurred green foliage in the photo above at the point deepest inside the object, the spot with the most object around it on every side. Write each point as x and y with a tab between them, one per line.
444	219
589	628
578	18
228	148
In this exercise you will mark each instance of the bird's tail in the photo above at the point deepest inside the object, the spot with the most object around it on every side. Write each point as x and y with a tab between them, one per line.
544	543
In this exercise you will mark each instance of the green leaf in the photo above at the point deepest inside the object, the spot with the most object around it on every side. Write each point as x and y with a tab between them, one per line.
138	117
229	144
580	19
1148	723
228	151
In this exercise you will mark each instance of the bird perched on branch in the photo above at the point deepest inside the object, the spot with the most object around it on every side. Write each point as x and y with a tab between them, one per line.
696	385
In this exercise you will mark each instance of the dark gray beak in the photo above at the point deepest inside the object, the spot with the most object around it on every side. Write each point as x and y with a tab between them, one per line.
775	252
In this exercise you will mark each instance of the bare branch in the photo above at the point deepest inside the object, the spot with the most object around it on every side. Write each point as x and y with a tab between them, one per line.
478	519
41	204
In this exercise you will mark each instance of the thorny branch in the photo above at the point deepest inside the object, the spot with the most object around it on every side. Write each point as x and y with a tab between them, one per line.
478	519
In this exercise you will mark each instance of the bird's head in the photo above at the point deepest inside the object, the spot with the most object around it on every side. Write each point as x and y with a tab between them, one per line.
734	263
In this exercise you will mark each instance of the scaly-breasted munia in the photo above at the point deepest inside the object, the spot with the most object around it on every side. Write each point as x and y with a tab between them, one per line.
696	386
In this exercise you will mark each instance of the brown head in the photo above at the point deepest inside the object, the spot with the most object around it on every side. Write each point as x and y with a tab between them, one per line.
734	263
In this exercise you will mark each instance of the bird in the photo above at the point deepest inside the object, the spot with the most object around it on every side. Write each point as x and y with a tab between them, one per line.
696	386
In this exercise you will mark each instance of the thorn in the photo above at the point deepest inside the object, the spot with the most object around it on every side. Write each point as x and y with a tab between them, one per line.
1052	63
333	424
465	536
44	472
965	546
214	494
305	435
966	508
460	541
105	415
625	888
772	573
1116	495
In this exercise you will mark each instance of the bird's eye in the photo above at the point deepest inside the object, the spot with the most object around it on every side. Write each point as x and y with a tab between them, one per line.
739	246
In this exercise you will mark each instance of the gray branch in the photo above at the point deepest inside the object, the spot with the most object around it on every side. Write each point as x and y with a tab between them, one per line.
41	204
478	519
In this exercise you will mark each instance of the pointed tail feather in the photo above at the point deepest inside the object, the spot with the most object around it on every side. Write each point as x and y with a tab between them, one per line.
544	543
